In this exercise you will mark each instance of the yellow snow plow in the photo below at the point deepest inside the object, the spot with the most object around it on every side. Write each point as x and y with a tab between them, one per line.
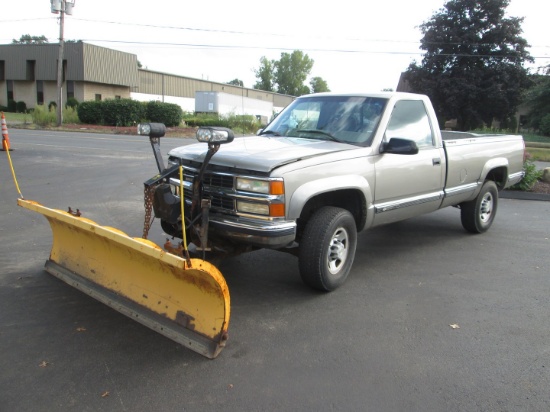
187	302
184	299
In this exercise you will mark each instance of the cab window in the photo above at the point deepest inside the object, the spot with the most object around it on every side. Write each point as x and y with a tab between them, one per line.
409	120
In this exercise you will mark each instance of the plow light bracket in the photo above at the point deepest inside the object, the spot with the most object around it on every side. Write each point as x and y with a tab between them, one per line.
151	129
215	135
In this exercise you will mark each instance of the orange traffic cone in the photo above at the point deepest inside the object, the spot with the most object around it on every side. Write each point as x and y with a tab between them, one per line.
5	137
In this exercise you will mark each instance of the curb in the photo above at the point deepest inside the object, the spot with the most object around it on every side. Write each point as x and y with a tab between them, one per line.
520	195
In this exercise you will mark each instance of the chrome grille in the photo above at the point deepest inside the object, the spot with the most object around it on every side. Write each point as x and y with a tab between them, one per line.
212	182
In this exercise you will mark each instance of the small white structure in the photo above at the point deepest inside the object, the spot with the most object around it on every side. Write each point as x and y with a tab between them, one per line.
225	104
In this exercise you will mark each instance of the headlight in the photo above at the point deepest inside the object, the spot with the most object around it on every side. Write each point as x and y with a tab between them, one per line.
253	185
266	187
256	208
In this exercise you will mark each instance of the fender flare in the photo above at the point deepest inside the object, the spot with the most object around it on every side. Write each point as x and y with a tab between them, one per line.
317	187
492	164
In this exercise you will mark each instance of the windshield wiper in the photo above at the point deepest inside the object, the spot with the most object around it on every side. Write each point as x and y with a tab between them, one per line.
320	132
269	132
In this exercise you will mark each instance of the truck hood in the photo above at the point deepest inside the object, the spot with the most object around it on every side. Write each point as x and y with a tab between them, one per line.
262	154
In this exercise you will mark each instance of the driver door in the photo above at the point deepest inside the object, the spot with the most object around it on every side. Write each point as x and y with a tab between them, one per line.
409	184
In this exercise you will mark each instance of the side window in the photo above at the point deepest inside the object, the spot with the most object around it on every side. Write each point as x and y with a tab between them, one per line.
409	120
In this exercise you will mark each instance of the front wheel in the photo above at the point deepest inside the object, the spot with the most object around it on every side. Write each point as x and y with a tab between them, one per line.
477	215
327	248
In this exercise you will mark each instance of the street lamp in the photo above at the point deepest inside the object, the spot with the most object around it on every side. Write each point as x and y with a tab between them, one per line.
61	7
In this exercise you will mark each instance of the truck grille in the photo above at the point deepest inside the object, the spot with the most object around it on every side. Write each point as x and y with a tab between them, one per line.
214	186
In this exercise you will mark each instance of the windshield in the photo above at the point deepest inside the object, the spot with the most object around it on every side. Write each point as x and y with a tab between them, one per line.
346	119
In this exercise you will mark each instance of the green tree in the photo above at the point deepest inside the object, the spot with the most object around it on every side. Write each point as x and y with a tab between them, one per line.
291	71
28	39
537	98
288	75
472	67
318	85
265	75
236	82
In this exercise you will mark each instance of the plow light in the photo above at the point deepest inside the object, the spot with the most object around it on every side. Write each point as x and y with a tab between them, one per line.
217	135
151	129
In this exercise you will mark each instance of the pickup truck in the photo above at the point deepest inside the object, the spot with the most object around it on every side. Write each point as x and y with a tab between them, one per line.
327	167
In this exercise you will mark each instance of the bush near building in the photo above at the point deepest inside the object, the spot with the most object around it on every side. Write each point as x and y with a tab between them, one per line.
128	112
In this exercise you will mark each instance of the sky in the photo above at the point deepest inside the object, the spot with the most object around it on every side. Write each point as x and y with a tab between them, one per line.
356	45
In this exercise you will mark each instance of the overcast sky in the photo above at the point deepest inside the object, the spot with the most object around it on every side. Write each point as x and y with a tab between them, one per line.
356	45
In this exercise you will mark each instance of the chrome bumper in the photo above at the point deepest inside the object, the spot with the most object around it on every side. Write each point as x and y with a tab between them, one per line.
266	234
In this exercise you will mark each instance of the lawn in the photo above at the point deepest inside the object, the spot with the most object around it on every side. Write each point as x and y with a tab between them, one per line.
18	117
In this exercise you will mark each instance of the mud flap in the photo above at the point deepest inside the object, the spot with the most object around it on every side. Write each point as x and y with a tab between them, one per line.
189	305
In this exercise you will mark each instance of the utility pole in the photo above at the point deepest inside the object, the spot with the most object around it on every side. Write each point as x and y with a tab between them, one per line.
61	7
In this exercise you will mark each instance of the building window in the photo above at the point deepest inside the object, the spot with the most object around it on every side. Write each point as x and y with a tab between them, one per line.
64	70
31	65
9	87
117	97
70	89
40	92
98	97
2	70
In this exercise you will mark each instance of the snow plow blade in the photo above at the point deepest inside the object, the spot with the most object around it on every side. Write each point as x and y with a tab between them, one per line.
186	303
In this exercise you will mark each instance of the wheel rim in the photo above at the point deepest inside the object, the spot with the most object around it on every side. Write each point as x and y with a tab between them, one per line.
338	250
486	208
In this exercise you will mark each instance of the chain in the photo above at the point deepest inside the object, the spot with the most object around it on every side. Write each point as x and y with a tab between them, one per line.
148	193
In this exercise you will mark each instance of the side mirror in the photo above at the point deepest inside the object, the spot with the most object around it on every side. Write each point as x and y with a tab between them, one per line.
151	129
397	145
215	135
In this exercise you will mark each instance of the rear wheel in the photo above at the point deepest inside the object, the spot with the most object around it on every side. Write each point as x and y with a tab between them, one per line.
477	215
327	248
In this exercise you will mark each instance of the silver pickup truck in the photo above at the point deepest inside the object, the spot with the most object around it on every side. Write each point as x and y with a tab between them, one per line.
327	167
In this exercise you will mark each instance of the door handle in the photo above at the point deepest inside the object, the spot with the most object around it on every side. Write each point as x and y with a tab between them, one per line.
436	161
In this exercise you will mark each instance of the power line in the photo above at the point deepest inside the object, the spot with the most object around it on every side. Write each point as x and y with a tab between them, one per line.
209	46
212	46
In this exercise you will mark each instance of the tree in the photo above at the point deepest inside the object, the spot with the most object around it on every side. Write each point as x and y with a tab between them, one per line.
291	71
288	75
28	39
318	85
472	68
537	98
265	75
236	82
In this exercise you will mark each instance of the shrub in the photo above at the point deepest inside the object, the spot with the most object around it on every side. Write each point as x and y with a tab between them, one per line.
532	175
244	123
90	112
545	125
205	119
170	114
43	117
21	107
72	102
122	112
12	106
70	115
52	105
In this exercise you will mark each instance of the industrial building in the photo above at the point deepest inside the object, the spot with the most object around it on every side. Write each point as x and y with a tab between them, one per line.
28	73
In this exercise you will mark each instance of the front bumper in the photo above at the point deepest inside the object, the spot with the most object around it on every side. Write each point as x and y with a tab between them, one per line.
266	234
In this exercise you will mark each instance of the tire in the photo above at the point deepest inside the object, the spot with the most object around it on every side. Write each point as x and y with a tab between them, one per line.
477	215
327	248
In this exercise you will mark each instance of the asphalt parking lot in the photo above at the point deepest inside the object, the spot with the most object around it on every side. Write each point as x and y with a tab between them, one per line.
431	319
